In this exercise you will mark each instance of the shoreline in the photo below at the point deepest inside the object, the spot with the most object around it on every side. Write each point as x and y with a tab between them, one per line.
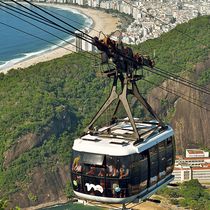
101	22
141	206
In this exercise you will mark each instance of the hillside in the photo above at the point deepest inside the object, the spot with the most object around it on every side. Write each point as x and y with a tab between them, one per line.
184	51
46	106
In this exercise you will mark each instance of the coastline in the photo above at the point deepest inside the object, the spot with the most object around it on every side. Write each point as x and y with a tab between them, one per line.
164	205
101	22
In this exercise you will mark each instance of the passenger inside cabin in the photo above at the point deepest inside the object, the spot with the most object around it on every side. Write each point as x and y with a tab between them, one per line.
123	171
115	171
92	170
75	162
123	184
78	167
108	169
102	172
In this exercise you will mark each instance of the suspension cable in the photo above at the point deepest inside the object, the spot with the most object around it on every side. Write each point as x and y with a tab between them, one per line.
170	91
47	31
164	23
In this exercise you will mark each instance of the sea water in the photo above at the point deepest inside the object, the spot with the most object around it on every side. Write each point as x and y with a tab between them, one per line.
21	40
73	206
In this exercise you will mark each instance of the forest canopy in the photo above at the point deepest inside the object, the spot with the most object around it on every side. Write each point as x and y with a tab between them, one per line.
33	97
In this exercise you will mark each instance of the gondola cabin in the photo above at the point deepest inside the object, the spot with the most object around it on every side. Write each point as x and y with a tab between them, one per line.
112	169
128	159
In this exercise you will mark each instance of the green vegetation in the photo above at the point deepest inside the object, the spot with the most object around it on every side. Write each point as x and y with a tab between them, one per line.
34	97
169	115
32	197
206	149
3	205
68	190
204	79
177	52
189	193
157	198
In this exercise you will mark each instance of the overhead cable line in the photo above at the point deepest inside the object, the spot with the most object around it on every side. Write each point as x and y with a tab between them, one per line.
176	80
20	11
84	38
71	32
182	79
92	28
169	74
45	30
165	23
133	60
166	89
45	23
201	101
37	37
57	19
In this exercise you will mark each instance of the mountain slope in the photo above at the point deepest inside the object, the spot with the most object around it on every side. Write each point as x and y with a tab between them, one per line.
46	106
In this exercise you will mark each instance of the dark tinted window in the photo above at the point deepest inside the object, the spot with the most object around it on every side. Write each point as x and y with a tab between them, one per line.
169	155
76	182
162	159
143	170
154	167
135	173
116	165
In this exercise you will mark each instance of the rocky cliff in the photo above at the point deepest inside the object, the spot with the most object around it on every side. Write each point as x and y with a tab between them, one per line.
45	183
190	122
44	187
29	141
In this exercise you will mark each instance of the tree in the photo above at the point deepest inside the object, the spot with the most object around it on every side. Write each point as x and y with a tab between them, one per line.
174	201
183	203
193	204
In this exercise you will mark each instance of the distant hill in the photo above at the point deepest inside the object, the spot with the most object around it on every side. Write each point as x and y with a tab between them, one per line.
43	108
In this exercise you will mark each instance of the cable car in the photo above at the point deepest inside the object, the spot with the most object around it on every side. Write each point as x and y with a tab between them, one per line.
114	170
126	159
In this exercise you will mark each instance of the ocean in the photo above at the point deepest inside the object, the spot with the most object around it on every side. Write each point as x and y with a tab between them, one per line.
18	39
73	206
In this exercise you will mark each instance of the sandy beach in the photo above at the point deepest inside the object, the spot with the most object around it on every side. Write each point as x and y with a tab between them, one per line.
102	22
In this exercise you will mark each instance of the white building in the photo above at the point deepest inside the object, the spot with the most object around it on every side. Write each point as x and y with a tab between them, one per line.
81	44
196	165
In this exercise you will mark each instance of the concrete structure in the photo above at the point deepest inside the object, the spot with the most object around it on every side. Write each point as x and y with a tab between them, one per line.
81	44
196	165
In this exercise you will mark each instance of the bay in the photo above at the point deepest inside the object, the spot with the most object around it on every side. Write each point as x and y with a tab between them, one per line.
73	206
17	46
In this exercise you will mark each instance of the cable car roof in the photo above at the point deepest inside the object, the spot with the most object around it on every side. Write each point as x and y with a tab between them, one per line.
118	145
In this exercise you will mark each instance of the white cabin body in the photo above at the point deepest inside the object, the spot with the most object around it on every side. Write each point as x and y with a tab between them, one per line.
111	169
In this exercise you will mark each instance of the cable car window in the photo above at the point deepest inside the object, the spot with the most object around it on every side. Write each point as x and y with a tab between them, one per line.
135	163
76	161
113	188
117	166
93	170
76	182
162	159
169	140
169	155
96	159
154	167
135	173
143	170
